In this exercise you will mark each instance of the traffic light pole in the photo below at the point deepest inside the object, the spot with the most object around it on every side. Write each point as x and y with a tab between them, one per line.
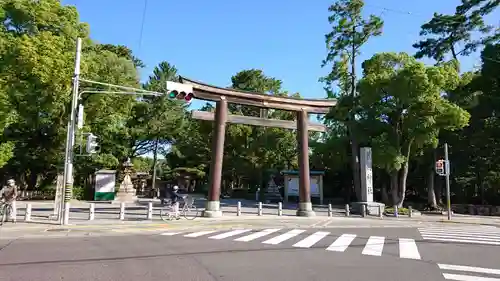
70	139
447	178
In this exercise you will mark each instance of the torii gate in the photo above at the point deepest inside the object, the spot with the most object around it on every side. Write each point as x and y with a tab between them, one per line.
223	96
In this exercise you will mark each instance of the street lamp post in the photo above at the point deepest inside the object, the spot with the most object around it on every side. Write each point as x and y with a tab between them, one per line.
70	139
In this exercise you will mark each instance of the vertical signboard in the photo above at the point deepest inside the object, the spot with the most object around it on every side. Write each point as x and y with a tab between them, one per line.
366	174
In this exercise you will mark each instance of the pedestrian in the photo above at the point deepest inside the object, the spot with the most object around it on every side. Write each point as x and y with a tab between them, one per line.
9	195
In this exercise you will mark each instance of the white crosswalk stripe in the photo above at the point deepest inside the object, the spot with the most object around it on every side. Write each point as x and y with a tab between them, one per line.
408	249
257	235
230	233
374	245
341	244
283	237
311	239
472	235
486	274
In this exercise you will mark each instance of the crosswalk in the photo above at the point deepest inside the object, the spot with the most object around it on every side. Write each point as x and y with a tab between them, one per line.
471	235
374	245
469	273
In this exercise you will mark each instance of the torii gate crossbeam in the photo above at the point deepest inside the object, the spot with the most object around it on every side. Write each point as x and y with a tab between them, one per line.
223	96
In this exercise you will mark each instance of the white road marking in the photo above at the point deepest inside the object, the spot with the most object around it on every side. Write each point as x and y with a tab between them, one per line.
459	277
341	244
283	237
170	233
408	249
463	241
256	235
200	233
469	268
374	246
311	239
229	234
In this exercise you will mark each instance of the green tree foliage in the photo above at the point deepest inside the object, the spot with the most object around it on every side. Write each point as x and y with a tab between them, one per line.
349	32
445	32
400	111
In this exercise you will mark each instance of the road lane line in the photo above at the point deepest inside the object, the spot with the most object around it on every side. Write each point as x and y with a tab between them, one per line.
408	249
311	239
229	234
200	233
472	238
374	246
461	232
170	233
257	235
341	244
283	237
462	240
469	268
459	277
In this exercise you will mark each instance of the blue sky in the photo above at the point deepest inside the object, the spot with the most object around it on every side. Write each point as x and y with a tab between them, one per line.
212	40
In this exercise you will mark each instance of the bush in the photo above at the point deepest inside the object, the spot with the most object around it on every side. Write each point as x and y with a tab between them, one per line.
78	193
401	211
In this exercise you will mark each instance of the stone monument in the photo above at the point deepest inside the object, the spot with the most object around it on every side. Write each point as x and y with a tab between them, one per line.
126	193
273	194
372	208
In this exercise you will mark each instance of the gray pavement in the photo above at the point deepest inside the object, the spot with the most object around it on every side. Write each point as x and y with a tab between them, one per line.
161	257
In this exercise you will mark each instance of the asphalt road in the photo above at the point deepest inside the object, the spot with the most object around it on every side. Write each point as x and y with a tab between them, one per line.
245	254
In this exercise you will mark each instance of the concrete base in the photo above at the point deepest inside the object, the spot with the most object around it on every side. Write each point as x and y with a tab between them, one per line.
212	210
372	208
125	198
305	210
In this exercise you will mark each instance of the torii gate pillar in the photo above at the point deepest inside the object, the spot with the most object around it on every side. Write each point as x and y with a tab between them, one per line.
212	209
305	205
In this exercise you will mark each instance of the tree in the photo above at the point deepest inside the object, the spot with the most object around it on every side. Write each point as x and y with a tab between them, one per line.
349	33
400	111
38	43
445	32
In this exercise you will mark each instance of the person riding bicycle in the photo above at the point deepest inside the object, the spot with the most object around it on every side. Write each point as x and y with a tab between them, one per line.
9	196
174	197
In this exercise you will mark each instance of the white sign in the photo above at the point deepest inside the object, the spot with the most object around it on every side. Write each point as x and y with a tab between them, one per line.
366	174
293	187
104	182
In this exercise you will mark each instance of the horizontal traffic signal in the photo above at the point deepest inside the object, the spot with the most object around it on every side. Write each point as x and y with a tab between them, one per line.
180	95
179	91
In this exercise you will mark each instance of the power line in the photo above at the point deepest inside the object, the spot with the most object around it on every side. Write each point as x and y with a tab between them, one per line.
143	20
409	13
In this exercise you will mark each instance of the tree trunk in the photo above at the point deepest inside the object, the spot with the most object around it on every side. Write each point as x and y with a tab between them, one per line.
155	155
404	174
402	184
354	142
431	194
385	195
394	187
356	173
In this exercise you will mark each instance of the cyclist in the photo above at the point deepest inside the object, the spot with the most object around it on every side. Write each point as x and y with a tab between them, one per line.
174	197
9	195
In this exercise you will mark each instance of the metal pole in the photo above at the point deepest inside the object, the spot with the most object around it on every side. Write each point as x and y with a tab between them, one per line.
68	163
446	165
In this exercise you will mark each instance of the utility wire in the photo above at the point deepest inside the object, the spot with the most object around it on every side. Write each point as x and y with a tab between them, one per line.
409	13
143	20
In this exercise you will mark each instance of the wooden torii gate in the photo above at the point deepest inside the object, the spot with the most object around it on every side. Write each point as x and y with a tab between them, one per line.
223	96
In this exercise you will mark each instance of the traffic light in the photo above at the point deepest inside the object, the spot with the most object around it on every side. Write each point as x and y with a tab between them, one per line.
180	91
92	145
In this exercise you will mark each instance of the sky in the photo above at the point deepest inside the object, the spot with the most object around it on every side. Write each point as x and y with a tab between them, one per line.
210	41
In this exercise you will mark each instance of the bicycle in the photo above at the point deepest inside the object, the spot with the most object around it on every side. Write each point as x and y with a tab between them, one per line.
5	210
188	210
